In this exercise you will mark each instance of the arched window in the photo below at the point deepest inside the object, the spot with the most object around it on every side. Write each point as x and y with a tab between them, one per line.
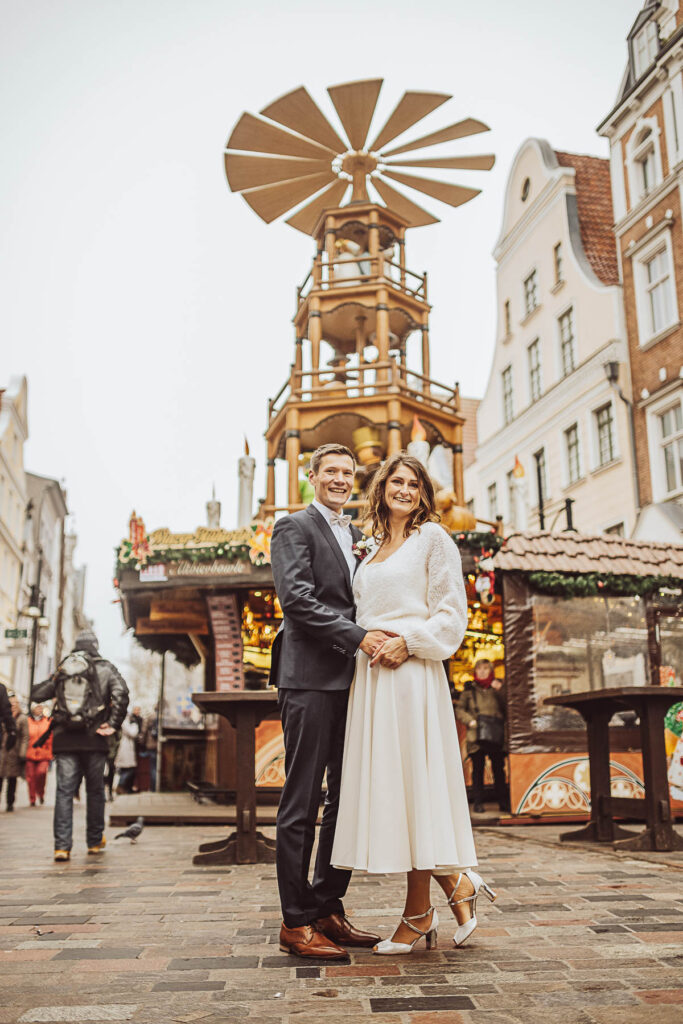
643	159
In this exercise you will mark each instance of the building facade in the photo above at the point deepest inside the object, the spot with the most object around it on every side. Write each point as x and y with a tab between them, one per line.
13	497
43	581
645	133
551	425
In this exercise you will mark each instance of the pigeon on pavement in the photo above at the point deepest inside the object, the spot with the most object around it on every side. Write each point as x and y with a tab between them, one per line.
133	831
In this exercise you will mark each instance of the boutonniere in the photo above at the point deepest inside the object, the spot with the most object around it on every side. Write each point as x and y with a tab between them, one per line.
361	548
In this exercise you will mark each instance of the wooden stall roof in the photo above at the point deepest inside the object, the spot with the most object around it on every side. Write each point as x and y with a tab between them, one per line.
572	552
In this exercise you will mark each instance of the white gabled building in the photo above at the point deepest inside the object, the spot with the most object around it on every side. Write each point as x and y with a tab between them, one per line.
13	498
549	409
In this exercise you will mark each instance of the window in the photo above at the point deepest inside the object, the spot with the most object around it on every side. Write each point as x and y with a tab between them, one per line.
645	47
617	530
647	165
493	500
534	361
510	482
659	304
508	322
671	426
470	506
604	424
557	254
566	322
530	293
506	378
571	440
541	476
643	158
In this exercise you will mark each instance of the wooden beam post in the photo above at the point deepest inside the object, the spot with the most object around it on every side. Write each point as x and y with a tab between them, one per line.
393	427
425	352
458	469
382	331
292	452
315	336
270	481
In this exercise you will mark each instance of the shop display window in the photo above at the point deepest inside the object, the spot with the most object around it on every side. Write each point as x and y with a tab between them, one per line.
588	643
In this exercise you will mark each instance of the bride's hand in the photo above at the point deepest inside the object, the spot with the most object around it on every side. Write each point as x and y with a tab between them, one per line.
392	653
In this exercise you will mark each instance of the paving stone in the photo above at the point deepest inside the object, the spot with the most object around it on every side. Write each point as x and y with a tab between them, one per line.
206	963
405	1004
105	953
189	986
75	1013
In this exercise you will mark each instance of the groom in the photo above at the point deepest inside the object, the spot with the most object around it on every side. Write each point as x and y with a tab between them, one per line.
312	664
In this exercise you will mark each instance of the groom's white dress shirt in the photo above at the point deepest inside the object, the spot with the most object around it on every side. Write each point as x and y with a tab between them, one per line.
342	535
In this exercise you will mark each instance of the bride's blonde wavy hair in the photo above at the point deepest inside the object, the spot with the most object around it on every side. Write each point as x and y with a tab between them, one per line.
378	515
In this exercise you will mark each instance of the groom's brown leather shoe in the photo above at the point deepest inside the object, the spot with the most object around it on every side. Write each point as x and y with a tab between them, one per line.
308	942
338	928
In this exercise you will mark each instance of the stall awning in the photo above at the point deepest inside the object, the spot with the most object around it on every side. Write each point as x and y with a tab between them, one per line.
572	552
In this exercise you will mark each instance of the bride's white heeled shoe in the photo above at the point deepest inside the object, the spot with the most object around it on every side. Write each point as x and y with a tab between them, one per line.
387	947
464	930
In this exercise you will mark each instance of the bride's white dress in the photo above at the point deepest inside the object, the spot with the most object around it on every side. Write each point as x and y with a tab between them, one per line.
403	803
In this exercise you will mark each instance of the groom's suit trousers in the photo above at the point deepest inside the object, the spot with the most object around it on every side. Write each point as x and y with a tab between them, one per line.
313	722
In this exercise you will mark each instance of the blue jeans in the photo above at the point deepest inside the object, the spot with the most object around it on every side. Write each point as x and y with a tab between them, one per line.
71	768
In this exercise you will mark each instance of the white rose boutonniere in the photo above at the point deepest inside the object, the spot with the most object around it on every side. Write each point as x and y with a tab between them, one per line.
362	548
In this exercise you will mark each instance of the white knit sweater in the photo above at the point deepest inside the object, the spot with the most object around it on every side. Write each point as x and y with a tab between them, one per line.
418	592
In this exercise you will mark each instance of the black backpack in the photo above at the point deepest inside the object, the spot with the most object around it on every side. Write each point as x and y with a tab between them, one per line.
76	693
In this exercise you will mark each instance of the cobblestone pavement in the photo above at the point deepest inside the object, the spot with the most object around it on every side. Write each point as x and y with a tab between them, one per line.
140	934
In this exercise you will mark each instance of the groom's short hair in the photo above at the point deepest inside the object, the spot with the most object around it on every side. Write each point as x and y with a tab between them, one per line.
329	449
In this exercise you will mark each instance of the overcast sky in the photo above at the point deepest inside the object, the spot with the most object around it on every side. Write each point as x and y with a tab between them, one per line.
149	307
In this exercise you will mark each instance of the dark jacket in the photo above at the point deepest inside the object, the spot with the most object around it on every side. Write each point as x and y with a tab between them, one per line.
7	723
316	645
13	760
110	690
479	700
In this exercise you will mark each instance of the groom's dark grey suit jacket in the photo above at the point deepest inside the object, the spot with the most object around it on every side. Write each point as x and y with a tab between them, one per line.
316	644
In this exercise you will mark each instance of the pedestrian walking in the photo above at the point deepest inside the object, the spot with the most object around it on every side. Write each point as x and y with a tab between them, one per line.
38	756
147	750
13	759
91	699
482	708
127	755
8	727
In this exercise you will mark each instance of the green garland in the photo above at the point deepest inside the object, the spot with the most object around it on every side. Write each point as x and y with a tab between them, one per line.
597	584
478	540
210	553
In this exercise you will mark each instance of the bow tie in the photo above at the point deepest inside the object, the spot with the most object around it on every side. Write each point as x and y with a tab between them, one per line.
339	520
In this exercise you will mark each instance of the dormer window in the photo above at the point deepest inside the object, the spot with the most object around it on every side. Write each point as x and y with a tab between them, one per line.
645	48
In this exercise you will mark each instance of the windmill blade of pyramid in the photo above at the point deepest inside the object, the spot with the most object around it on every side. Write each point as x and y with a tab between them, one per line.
454	195
462	163
307	217
410	109
253	135
355	104
273	200
298	110
454	131
404	207
252	171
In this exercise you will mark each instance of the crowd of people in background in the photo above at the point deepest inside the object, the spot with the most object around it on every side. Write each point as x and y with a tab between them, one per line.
30	741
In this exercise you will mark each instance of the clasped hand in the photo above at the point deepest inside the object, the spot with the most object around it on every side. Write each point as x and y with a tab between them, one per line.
388	648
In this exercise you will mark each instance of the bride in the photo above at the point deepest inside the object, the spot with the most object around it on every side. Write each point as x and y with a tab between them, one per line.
403	804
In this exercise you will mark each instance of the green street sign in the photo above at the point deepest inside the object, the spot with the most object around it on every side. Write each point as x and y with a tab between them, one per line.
16	634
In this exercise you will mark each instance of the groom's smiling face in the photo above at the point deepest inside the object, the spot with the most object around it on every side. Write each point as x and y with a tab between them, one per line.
334	481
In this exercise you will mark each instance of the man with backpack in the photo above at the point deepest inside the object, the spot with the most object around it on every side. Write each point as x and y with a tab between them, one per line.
91	700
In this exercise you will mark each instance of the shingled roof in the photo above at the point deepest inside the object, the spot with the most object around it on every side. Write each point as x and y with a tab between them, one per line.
596	216
576	553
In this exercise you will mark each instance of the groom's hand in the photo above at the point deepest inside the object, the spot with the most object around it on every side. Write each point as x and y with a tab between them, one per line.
373	640
392	653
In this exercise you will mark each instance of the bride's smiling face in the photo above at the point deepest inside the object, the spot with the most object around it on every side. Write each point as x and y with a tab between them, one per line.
402	492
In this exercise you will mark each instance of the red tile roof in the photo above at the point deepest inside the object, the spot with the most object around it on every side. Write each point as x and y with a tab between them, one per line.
596	216
468	410
577	553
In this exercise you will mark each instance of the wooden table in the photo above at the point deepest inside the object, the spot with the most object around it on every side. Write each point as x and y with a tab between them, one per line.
245	710
597	707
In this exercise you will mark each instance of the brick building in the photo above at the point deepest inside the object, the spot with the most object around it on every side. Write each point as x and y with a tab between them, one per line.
645	133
